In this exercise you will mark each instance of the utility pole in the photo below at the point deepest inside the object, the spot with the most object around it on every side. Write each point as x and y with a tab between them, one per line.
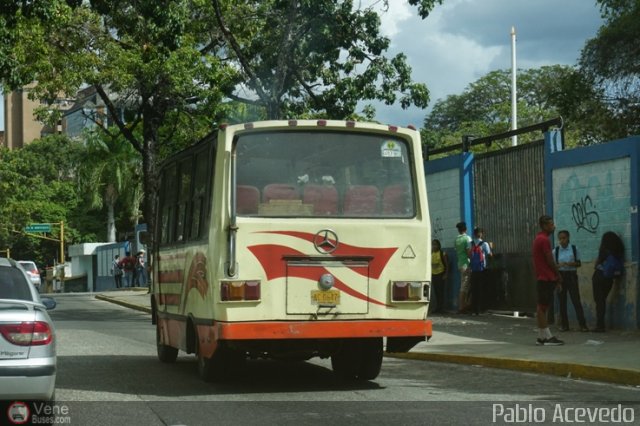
514	106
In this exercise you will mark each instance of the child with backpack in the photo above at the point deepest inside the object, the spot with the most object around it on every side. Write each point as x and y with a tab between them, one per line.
568	260
478	254
439	271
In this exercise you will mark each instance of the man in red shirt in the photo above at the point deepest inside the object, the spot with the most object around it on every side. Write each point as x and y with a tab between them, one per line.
548	277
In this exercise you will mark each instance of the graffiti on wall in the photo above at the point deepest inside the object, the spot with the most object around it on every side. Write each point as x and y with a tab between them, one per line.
584	215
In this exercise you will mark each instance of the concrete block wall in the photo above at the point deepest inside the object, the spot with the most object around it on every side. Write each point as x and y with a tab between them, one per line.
595	190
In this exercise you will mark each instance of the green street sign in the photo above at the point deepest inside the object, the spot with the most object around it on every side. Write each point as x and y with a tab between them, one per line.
38	227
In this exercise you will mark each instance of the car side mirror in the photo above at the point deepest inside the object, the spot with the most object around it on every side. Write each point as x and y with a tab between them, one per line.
49	303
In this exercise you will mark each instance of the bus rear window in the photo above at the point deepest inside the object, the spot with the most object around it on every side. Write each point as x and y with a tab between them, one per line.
323	173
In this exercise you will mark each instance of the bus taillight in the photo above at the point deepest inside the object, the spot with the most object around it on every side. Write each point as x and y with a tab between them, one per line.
239	290
408	291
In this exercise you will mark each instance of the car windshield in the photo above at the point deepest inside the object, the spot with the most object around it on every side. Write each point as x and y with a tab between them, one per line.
13	285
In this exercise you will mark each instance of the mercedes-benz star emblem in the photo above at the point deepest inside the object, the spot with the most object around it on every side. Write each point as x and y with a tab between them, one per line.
325	241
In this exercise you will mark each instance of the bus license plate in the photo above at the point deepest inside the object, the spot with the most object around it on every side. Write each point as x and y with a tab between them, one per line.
327	297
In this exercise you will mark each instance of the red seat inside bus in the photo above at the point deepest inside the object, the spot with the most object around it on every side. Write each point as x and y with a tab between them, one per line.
248	198
360	199
323	197
279	191
394	199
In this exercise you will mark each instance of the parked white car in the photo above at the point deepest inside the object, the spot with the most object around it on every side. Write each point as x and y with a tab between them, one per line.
32	271
27	338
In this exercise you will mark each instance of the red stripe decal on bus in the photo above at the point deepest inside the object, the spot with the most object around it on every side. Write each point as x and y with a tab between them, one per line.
380	255
170	276
270	257
323	329
169	299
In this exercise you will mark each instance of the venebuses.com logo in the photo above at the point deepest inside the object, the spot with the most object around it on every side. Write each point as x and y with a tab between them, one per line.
20	413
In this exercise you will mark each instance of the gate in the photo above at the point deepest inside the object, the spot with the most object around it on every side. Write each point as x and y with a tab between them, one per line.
509	197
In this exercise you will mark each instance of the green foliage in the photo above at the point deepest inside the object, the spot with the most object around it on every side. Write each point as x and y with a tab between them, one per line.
36	186
484	107
611	61
314	57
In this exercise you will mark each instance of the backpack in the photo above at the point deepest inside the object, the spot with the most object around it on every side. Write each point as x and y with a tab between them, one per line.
612	267
477	257
575	253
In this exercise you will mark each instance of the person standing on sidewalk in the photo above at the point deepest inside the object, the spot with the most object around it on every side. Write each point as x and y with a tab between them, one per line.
462	245
116	271
478	254
128	265
609	267
439	270
568	260
547	277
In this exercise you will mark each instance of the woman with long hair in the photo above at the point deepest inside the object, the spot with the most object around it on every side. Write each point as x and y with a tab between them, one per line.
611	250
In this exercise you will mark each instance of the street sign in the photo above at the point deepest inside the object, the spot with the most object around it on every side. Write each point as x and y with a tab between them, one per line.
38	227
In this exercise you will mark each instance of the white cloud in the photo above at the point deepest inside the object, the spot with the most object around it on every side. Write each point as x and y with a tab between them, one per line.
462	40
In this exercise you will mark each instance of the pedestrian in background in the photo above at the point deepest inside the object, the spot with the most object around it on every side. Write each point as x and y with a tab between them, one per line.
609	267
116	271
479	252
141	273
439	271
547	277
128	265
462	245
568	260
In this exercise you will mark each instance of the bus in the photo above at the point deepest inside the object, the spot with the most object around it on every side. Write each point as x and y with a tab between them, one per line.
291	240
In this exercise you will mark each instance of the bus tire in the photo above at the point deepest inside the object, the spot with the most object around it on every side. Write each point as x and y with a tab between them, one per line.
358	359
167	354
371	353
224	363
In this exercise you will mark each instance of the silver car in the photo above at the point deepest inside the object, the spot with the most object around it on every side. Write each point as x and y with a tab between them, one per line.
32	272
27	338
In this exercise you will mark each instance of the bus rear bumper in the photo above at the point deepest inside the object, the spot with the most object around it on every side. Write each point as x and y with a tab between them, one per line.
396	330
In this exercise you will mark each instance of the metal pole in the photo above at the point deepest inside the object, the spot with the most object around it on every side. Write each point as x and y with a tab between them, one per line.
62	242
514	107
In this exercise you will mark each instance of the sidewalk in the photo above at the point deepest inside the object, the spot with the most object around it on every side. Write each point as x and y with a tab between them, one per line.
501	341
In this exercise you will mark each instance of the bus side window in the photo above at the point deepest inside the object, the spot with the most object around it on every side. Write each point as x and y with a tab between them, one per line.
361	200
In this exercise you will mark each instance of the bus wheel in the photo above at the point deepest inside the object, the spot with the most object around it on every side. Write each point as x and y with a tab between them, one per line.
166	353
224	363
359	359
370	358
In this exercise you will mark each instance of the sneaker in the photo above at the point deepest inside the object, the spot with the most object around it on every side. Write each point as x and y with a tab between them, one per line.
553	341
540	342
564	329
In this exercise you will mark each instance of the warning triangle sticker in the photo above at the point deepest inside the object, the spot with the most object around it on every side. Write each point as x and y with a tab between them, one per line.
408	253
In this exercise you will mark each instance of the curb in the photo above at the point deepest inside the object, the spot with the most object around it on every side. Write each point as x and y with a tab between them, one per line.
123	303
563	369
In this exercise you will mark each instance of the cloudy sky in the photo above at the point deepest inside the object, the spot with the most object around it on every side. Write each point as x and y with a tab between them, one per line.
462	40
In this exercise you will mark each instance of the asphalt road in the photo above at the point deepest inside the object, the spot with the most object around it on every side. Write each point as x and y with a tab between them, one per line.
109	375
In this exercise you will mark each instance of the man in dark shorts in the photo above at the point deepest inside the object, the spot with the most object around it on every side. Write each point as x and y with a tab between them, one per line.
548	278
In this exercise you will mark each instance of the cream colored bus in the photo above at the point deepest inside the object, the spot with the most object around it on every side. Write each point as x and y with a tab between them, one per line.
293	239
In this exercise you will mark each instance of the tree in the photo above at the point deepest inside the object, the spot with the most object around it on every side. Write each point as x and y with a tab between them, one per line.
37	186
170	65
110	169
484	107
611	61
314	57
144	57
